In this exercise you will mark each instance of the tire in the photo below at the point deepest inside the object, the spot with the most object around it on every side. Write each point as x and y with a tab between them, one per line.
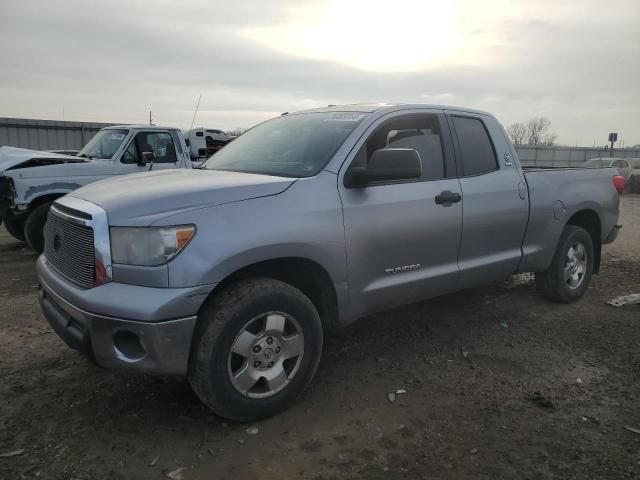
34	227
569	274
245	316
15	227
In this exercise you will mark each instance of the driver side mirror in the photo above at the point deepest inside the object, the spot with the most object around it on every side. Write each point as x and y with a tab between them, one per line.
147	157
386	165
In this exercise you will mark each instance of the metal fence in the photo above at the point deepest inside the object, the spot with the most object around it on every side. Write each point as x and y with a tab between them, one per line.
47	134
541	156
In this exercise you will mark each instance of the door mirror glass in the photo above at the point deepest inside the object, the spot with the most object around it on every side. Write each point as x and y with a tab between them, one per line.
387	165
148	157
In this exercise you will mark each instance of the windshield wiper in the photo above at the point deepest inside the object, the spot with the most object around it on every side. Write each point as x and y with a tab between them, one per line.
85	156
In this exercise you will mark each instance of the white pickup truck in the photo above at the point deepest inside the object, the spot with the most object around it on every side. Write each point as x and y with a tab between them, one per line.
31	180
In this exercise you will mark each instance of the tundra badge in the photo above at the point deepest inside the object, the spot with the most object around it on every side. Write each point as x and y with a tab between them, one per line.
404	268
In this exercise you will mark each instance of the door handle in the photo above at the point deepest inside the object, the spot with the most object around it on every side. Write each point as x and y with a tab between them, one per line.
448	197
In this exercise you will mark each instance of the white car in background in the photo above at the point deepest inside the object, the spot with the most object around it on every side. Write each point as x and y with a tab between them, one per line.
621	164
633	183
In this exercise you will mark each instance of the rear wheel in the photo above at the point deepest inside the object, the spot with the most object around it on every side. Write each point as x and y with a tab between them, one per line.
569	274
34	227
257	346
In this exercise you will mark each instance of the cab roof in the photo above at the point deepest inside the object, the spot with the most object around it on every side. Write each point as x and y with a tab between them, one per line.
140	127
377	107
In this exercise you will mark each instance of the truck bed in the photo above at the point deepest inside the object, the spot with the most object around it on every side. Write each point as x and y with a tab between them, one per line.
555	195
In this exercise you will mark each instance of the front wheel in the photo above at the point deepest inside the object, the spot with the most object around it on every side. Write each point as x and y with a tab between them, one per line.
34	227
256	347
15	227
569	274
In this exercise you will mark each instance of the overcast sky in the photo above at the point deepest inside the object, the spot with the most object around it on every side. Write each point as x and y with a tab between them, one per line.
573	61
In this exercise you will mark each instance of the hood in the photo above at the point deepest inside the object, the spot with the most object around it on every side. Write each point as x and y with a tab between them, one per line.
11	157
142	198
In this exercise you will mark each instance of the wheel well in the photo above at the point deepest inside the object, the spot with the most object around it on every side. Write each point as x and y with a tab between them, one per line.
305	275
36	202
590	221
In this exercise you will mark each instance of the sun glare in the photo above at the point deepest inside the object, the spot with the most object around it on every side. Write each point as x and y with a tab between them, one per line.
403	35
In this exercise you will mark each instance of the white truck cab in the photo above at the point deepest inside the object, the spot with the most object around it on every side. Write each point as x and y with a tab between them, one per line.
31	180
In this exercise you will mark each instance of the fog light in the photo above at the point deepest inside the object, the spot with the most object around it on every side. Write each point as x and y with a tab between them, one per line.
128	346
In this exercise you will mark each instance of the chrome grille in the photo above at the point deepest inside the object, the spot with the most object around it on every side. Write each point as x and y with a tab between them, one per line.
69	249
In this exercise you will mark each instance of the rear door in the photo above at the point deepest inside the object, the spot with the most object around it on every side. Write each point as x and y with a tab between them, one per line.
494	200
401	245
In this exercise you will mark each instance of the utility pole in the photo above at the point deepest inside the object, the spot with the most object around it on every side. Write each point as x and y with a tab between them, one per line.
150	121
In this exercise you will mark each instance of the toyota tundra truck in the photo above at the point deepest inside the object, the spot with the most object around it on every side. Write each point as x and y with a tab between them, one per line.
231	274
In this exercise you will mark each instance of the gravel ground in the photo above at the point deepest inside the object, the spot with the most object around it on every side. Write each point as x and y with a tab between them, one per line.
499	384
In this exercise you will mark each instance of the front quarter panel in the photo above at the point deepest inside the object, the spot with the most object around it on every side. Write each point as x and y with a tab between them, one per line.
303	221
34	182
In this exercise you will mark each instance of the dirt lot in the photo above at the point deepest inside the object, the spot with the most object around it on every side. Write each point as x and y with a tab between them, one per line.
499	384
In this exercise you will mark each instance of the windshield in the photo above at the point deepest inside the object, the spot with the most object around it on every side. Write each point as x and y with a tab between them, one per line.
104	144
289	146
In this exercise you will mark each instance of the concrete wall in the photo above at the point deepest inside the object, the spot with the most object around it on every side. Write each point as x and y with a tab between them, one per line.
46	134
541	156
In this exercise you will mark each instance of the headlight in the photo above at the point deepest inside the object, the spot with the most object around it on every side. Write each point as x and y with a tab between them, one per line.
149	246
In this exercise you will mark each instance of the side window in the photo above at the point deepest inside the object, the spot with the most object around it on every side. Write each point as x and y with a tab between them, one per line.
620	163
161	143
476	149
418	132
130	155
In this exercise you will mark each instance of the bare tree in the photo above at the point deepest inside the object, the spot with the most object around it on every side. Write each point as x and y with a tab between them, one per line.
517	132
536	128
550	139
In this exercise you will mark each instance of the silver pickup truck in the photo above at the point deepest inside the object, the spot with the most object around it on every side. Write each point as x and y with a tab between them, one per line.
31	180
231	273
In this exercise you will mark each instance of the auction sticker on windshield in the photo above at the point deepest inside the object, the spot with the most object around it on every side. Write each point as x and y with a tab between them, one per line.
344	117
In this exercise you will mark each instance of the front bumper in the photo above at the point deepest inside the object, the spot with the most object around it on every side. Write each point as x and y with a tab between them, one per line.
136	340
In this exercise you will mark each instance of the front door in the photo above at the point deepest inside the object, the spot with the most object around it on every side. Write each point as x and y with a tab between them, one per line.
402	244
160	144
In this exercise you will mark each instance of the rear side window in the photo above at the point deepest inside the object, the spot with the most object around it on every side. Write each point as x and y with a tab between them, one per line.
620	163
476	149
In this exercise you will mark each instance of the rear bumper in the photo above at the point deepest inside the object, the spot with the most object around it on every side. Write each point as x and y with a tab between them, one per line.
130	335
613	234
